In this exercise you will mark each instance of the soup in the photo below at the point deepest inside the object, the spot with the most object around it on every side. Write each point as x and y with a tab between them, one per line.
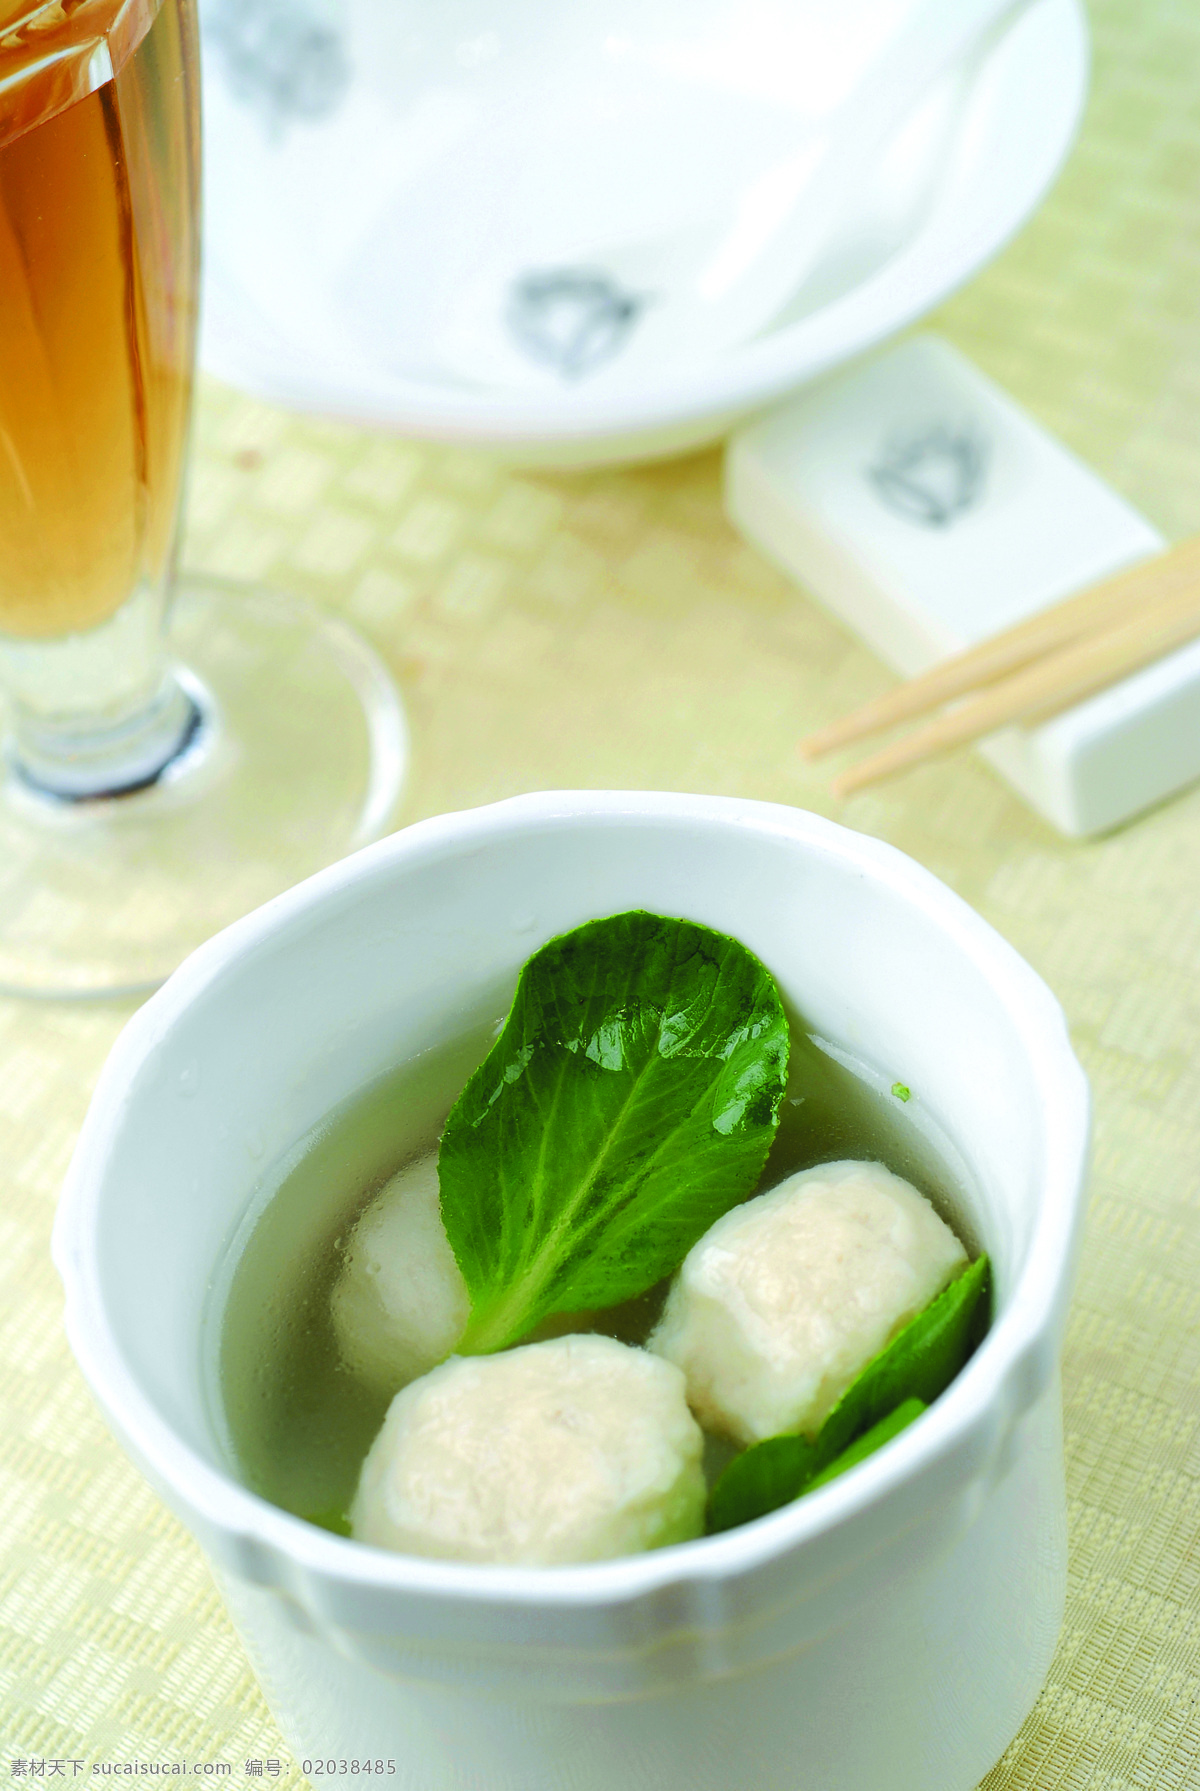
297	1422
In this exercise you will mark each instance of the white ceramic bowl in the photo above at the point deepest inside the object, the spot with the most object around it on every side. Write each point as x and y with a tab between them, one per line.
368	162
889	1632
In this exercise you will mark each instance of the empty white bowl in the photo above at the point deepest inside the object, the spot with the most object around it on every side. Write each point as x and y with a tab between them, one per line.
889	1631
377	173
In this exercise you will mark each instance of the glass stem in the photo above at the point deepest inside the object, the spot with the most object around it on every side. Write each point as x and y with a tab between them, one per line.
98	713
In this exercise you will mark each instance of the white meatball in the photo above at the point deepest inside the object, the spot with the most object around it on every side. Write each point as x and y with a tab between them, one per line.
785	1299
577	1449
400	1303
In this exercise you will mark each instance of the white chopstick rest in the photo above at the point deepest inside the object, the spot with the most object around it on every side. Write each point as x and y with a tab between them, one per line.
924	509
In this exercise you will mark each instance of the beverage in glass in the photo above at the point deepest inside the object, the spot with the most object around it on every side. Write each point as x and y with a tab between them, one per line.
132	778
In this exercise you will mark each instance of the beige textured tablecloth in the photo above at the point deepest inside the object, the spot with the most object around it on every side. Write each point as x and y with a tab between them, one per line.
610	630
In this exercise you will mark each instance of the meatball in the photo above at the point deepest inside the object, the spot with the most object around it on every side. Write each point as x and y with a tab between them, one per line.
400	1303
784	1300
575	1449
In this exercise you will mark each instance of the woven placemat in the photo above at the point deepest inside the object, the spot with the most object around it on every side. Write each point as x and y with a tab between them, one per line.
609	630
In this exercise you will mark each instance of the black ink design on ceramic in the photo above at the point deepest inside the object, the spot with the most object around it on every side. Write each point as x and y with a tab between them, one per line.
572	318
283	57
931	477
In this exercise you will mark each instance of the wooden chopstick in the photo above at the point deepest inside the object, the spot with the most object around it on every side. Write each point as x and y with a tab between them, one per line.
1076	671
1088	612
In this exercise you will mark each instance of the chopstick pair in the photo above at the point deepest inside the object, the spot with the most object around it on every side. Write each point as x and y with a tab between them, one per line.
1029	672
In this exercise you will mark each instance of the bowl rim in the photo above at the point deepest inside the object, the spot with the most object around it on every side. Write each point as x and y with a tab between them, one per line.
955	1443
956	238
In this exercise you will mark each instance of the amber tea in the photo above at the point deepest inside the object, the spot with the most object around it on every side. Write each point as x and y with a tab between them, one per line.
157	731
99	164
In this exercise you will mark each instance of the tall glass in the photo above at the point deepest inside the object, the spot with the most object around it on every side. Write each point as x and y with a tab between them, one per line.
155	785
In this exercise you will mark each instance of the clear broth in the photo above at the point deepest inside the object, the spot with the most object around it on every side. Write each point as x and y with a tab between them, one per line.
298	1422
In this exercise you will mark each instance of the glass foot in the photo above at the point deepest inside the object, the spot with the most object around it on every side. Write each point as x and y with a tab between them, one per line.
295	757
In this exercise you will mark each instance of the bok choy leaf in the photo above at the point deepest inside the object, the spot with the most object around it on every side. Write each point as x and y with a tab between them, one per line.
630	1099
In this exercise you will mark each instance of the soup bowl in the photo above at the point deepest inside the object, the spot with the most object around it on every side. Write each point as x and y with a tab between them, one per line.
890	1630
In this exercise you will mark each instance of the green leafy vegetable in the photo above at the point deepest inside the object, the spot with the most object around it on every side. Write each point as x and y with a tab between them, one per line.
761	1479
332	1518
869	1442
902	1091
629	1101
919	1363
